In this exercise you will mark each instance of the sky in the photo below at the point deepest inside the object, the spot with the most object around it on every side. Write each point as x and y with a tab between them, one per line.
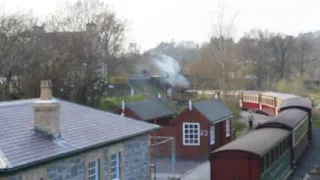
153	21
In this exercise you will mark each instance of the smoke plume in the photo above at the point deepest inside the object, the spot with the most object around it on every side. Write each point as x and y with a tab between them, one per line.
171	68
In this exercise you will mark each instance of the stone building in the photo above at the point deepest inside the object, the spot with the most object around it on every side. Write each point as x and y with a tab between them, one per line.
52	139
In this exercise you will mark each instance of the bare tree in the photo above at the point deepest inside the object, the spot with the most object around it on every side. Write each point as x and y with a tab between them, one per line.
216	59
77	47
253	47
281	49
14	42
304	46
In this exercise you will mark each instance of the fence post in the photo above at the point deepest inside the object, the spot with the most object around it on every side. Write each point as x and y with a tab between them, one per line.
173	145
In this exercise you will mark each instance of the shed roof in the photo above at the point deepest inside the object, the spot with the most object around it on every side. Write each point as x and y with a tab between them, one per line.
151	109
288	118
257	142
297	102
213	109
81	128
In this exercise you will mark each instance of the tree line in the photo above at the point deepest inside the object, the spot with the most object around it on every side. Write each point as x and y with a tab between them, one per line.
77	47
270	56
82	43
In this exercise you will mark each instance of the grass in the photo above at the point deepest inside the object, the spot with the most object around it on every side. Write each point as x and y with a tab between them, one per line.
151	89
316	123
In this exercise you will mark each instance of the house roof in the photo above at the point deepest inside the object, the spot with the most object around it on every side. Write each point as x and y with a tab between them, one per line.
297	102
288	119
82	128
257	142
151	109
213	109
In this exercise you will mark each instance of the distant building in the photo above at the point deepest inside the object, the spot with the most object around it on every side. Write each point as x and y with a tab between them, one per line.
47	139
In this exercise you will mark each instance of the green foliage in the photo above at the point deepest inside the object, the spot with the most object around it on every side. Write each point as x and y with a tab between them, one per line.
114	103
118	80
232	102
293	86
239	126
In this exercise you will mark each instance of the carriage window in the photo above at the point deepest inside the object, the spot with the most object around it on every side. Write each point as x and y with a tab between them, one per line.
267	160
281	148
263	164
277	152
272	156
285	145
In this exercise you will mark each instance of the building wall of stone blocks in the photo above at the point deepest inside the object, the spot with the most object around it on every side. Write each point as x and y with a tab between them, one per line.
134	164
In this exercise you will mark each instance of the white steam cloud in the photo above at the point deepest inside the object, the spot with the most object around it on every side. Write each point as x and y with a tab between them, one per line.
171	67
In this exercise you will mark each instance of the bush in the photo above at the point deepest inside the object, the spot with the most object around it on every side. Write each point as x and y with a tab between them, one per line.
316	117
232	102
112	104
294	86
239	126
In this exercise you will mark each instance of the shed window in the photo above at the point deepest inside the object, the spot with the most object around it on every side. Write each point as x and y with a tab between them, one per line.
212	134
93	170
191	134
227	127
115	166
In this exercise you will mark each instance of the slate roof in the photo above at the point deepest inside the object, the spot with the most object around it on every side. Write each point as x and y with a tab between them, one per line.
288	118
82	128
297	102
151	109
256	142
213	109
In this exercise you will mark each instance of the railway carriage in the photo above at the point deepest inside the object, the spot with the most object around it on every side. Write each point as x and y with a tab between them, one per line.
250	100
268	105
302	104
254	157
271	101
295	121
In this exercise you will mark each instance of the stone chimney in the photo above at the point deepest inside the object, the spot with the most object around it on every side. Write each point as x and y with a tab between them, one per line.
38	29
91	27
47	112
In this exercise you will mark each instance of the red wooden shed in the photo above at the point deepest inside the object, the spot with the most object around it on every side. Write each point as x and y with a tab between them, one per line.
201	128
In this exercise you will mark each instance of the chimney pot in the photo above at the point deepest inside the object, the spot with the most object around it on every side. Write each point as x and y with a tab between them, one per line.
190	105
45	90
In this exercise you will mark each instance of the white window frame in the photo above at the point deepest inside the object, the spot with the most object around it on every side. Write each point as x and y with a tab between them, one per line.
194	134
212	134
115	166
93	170
228	128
